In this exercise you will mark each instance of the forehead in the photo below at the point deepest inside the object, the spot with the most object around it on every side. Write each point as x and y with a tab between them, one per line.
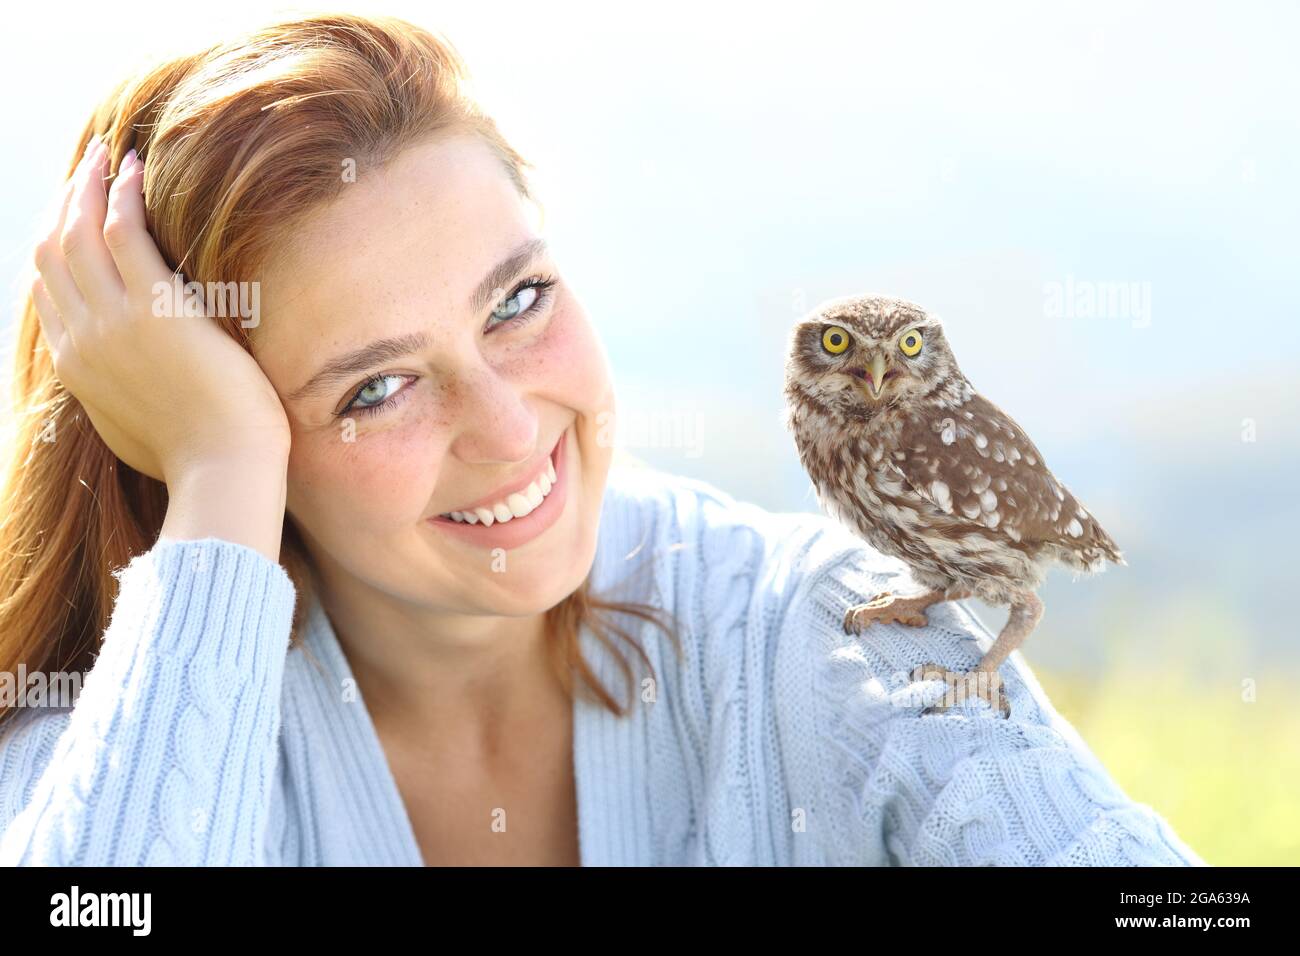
404	245
876	317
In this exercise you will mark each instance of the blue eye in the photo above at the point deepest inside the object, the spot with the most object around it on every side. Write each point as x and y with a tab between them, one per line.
519	302
527	299
376	394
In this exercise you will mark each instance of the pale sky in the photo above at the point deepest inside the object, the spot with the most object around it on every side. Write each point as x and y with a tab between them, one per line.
711	170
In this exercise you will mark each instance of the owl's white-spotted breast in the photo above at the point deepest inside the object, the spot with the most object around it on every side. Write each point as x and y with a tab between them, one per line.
902	450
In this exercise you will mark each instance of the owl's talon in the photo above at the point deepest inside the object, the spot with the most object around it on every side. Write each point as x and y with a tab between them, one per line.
986	685
888	608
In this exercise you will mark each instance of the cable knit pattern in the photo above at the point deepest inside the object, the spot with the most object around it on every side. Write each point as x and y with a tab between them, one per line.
169	753
775	738
965	788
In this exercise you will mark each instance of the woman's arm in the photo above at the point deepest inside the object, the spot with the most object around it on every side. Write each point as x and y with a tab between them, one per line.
168	756
962	788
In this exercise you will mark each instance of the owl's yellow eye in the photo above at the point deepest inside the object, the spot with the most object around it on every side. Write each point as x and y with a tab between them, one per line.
910	343
835	340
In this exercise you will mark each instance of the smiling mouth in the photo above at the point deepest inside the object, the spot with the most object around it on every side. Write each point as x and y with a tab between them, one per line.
518	504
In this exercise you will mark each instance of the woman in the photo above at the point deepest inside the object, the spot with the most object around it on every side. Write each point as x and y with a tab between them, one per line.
502	645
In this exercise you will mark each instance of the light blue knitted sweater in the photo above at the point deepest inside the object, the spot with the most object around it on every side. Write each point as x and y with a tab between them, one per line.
776	739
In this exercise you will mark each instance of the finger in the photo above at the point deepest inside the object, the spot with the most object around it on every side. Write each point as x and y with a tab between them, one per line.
82	239
53	219
70	190
126	233
54	291
51	322
52	265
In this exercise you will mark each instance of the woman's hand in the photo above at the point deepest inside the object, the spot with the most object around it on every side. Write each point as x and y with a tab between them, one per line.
163	392
173	396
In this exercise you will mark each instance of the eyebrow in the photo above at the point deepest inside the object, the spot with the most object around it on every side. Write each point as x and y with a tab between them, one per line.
494	282
386	350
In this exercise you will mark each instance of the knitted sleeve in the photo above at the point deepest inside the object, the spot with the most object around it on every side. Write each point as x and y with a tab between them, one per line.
884	785
168	754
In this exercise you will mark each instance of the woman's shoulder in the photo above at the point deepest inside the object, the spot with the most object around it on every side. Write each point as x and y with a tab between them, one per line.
730	571
829	726
647	506
701	529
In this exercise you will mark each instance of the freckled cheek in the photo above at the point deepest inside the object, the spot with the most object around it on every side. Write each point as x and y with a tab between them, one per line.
567	363
384	479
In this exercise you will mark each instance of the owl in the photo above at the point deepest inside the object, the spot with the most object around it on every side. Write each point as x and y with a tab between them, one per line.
903	451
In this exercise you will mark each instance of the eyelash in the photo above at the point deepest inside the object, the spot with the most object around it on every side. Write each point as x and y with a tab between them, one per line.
544	285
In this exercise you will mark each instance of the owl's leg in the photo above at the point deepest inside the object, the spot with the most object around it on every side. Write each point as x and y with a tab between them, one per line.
887	608
1025	615
984	681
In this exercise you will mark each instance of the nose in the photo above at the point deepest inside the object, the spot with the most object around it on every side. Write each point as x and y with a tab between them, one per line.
498	424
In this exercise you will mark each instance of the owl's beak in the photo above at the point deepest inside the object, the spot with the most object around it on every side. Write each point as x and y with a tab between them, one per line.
876	383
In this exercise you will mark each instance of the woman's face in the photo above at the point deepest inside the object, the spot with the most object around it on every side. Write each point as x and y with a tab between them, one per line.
424	370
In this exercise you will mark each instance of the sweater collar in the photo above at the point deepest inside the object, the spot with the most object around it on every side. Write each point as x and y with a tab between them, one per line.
608	756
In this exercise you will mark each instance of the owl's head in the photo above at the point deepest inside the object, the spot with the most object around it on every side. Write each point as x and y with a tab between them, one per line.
860	353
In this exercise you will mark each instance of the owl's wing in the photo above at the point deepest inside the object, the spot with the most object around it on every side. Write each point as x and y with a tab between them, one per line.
975	464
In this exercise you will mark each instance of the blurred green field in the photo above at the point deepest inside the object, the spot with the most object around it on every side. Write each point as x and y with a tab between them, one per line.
1225	772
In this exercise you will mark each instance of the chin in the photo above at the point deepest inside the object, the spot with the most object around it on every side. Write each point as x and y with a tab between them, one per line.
525	584
541	575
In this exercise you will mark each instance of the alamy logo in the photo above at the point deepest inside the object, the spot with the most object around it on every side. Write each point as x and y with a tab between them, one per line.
176	299
101	909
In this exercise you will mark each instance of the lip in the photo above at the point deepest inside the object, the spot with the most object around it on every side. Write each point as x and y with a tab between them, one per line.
516	531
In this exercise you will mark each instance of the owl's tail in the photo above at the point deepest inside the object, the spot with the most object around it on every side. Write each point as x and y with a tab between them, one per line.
1093	549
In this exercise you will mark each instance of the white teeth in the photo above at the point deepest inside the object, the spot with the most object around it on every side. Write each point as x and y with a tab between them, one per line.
516	505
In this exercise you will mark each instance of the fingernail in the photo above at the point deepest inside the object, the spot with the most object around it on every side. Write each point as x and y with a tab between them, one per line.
127	162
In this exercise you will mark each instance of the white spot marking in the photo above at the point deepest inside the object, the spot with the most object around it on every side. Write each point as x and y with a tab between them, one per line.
941	495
